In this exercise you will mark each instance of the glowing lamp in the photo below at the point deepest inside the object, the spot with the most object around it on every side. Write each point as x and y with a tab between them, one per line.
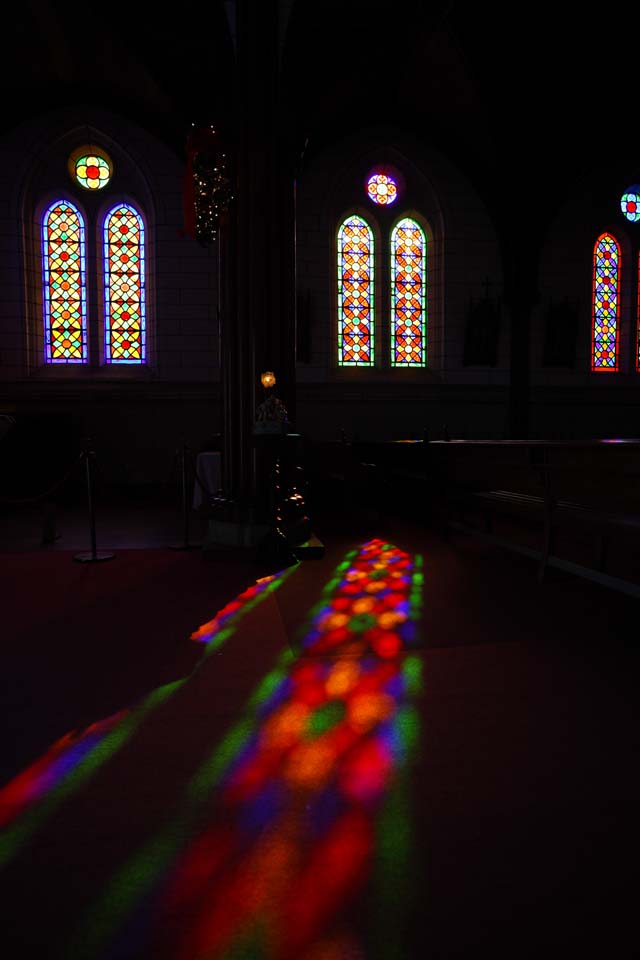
268	379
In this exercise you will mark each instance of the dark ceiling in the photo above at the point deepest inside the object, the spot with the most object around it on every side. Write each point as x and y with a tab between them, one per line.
525	99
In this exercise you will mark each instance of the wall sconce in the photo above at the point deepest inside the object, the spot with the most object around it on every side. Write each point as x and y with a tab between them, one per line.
268	379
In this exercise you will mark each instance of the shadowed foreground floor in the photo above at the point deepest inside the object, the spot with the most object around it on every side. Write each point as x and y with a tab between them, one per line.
406	749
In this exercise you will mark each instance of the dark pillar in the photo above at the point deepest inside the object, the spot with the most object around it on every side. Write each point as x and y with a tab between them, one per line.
520	299
257	249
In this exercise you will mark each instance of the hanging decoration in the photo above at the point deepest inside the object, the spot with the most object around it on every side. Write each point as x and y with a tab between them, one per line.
207	185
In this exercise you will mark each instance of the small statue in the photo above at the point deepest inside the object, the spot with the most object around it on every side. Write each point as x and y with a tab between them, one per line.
271	416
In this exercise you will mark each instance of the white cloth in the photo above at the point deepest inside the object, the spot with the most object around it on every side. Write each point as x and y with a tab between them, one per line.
208	471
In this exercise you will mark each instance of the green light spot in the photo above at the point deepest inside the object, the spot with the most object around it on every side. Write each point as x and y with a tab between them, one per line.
408	728
412	670
213	768
331	586
267	687
216	642
325	717
362	622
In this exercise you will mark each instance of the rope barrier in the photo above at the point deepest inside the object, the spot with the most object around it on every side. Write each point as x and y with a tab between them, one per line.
47	493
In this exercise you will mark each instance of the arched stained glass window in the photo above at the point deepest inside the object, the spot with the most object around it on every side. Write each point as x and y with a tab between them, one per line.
355	294
64	287
605	340
408	295
124	286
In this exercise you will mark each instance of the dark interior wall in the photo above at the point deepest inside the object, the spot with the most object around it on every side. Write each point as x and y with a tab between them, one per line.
568	399
136	416
464	272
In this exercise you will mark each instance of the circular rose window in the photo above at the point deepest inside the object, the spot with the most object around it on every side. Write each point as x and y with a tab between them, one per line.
91	168
382	189
630	203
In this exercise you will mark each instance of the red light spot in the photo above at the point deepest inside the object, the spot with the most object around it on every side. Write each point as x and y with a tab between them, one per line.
341	603
388	645
313	694
92	173
392	600
305	672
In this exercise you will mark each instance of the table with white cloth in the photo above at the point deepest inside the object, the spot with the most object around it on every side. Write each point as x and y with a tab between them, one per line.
208	477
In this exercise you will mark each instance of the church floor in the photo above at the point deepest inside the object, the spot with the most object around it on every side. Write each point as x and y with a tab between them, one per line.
343	764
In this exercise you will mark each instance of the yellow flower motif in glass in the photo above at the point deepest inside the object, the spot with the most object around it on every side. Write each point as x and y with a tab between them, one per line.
92	171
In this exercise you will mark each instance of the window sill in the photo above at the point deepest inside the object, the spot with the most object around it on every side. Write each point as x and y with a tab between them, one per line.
80	372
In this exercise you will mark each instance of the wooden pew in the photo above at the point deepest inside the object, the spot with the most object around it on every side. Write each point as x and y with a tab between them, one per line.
578	489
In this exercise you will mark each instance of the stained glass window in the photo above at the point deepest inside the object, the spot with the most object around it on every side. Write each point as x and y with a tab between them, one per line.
91	167
408	295
630	203
65	290
382	189
355	294
606	304
92	172
124	286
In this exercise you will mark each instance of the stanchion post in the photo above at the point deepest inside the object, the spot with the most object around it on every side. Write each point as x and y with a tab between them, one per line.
184	488
94	556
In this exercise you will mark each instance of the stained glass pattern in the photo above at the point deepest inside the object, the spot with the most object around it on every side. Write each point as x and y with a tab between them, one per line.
630	203
65	291
298	815
382	189
408	295
355	294
124	285
92	172
606	304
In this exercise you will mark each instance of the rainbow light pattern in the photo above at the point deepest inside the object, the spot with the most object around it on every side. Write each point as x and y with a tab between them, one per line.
373	608
51	769
64	284
28	800
606	304
310	794
92	172
630	203
124	286
382	189
408	299
303	806
216	631
355	294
